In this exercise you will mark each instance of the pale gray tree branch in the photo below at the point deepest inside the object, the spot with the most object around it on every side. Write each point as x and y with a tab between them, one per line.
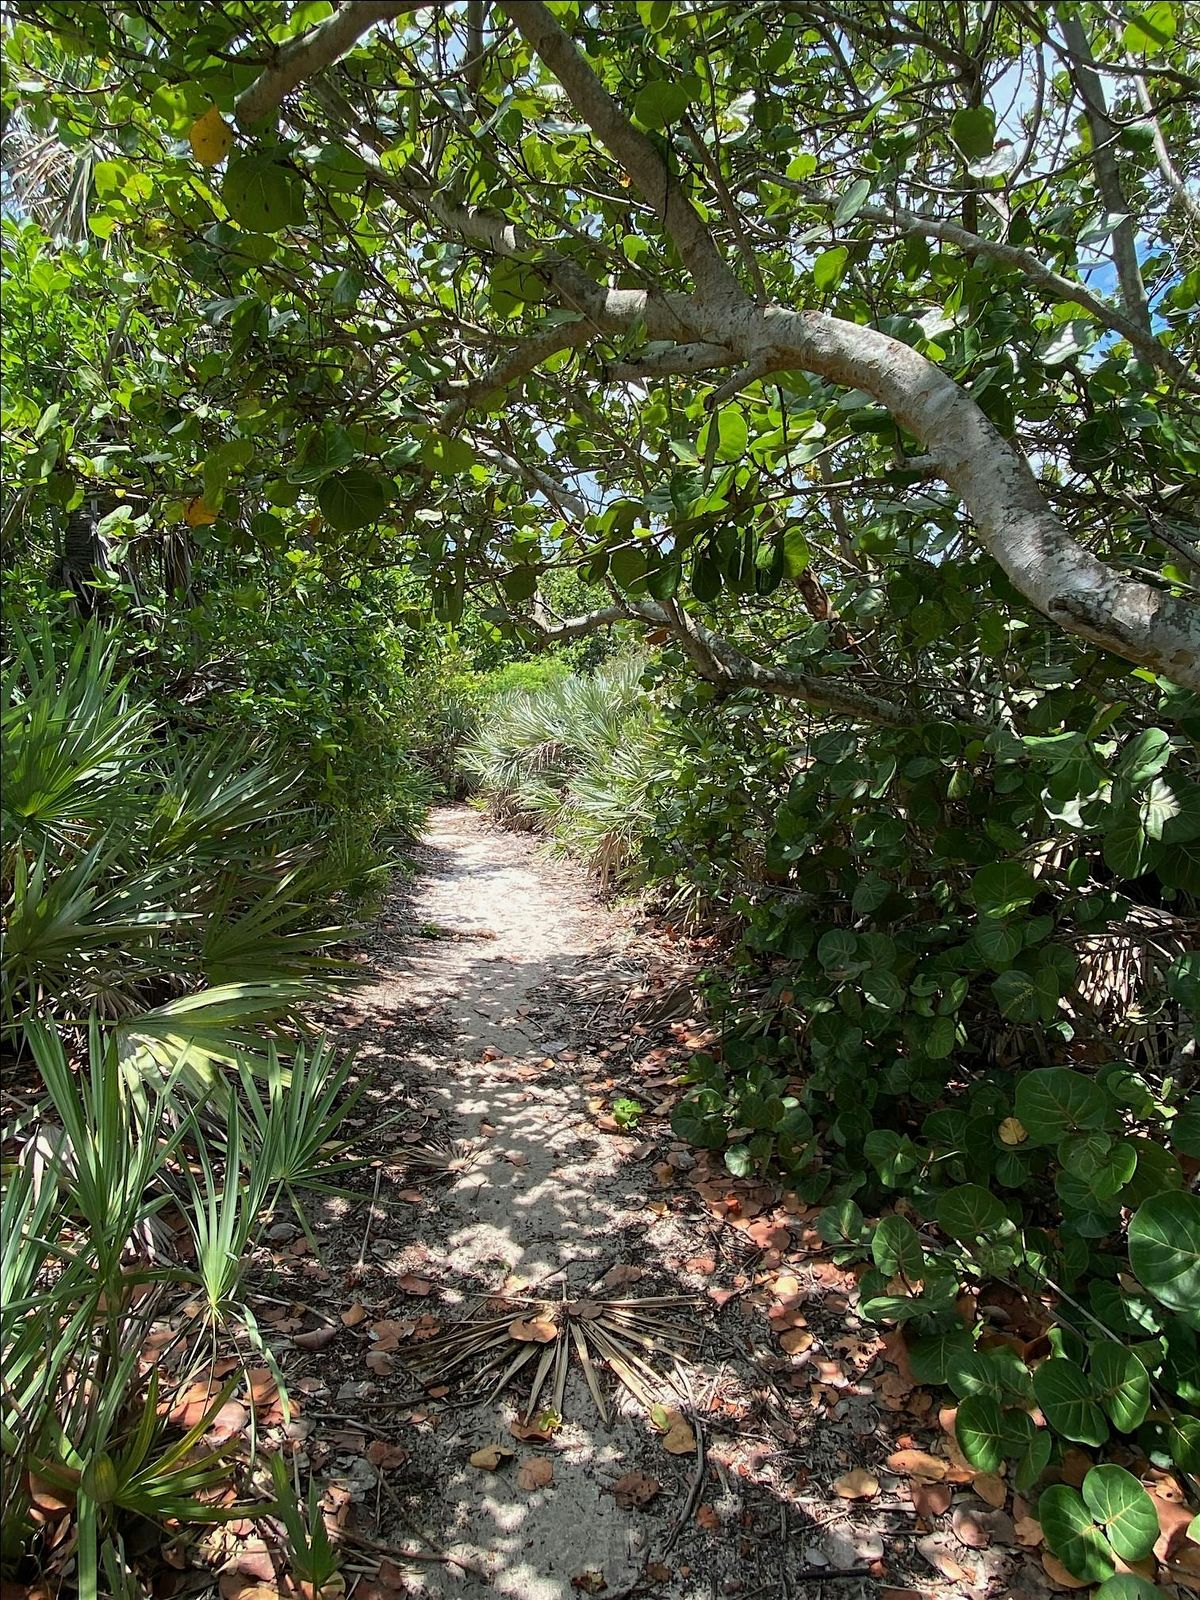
1012	518
1180	193
718	661
302	58
1056	284
539	27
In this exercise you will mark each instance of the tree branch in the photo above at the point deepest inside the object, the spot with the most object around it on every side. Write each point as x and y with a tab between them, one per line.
641	160
1180	193
312	52
1058	286
1104	163
1013	521
717	661
672	361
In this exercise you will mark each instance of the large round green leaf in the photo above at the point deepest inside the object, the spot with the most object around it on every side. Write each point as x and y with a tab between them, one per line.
262	195
1052	1102
1164	1251
1123	1509
1072	1535
1068	1402
1002	887
896	1247
969	1212
352	499
1121	1384
1128	1586
980	1431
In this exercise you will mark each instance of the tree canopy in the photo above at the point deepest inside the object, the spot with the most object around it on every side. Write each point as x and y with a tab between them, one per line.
867	329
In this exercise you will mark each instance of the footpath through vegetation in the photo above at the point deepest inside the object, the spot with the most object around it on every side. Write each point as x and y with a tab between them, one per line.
639	563
571	1354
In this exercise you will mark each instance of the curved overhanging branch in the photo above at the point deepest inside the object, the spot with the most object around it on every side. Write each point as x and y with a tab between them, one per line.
1013	521
312	52
717	661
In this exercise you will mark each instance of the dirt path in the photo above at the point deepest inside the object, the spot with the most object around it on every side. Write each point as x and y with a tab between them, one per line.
479	1022
540	1206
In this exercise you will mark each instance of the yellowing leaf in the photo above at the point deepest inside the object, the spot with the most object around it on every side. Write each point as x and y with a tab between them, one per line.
795	1340
918	1464
679	1440
1012	1131
198	513
857	1484
211	138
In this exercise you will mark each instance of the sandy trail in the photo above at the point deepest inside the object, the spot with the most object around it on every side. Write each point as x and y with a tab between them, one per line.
541	1205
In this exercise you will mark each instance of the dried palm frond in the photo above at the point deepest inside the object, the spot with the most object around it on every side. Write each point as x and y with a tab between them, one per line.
625	1335
433	1160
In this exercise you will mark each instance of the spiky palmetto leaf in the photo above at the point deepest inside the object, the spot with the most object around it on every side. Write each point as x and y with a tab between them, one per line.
137	871
564	726
73	737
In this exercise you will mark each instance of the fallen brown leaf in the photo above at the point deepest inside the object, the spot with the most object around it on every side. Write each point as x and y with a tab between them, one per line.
382	1453
414	1285
635	1490
795	1340
535	1473
679	1439
229	1420
1058	1574
969	1530
990	1488
708	1518
491	1456
930	1499
620	1275
1028	1531
589	1582
530	1432
918	1464
942	1561
316	1339
537	1330
354	1314
857	1484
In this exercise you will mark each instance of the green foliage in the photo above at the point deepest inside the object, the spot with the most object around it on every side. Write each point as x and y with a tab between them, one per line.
81	1289
139	864
1112	1516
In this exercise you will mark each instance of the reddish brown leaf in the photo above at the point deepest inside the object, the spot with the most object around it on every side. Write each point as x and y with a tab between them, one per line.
635	1490
317	1339
535	1473
537	1330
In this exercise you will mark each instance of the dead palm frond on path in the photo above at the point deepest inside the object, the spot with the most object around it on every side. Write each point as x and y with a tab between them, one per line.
512	1333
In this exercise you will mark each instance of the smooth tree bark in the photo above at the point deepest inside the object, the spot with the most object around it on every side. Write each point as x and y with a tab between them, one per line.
719	325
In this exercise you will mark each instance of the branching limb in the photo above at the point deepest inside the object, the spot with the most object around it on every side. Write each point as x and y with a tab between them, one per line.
1180	193
1013	520
1056	285
1104	163
525	358
312	52
672	361
680	219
